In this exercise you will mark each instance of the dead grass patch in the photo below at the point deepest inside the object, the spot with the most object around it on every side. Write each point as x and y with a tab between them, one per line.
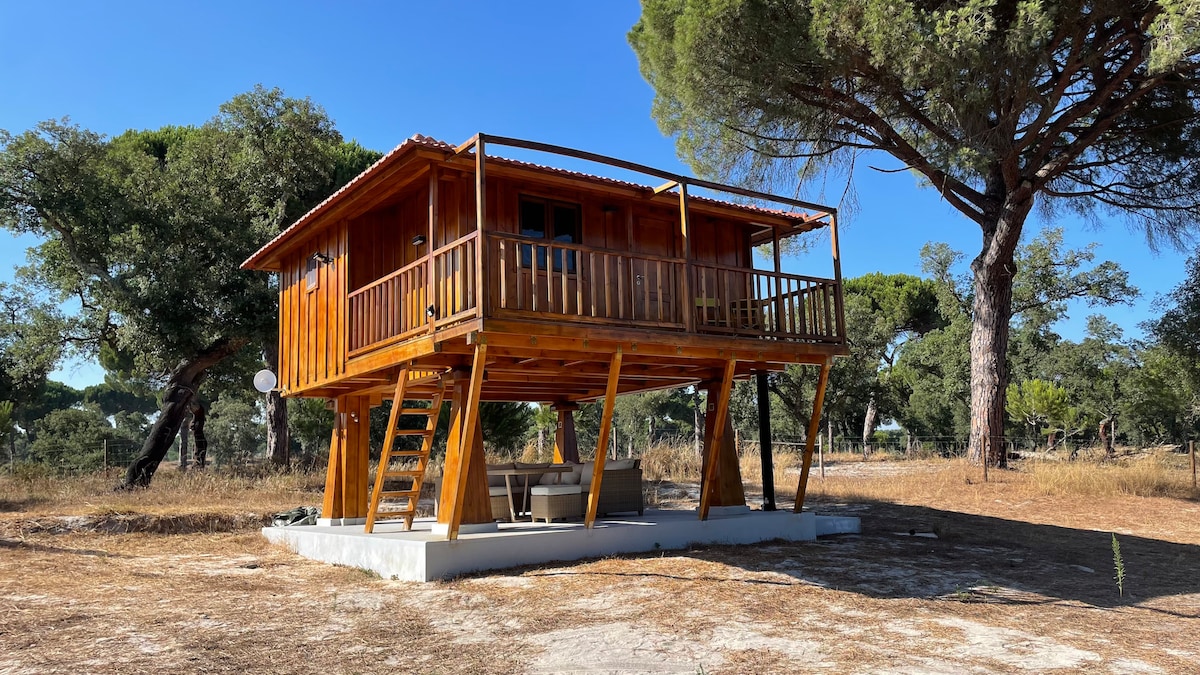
1018	580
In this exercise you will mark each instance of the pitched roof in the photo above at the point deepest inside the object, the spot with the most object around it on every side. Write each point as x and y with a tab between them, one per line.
420	141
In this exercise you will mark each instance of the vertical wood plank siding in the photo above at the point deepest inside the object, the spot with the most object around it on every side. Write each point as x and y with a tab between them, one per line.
312	322
413	264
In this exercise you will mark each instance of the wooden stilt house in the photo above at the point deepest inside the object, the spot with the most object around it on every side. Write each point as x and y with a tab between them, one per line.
443	273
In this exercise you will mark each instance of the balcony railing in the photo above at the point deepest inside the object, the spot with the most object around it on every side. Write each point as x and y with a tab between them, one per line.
536	279
580	283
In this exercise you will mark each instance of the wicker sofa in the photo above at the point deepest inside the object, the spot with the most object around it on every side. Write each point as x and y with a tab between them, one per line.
620	492
621	489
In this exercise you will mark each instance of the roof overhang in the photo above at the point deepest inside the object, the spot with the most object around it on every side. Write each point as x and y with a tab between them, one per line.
774	223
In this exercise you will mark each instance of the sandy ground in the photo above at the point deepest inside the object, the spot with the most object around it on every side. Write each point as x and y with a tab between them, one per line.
1013	587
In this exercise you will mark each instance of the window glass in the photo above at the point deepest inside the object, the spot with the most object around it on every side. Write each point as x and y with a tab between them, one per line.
310	273
566	223
533	218
549	220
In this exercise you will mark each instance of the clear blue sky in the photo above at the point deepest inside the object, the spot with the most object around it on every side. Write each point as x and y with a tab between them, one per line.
560	72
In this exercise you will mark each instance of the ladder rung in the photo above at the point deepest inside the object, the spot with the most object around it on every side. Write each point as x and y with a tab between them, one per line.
417	411
404	473
403	513
397	454
413	432
396	494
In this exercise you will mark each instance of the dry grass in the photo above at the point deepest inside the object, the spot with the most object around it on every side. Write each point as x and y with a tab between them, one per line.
1018	579
172	492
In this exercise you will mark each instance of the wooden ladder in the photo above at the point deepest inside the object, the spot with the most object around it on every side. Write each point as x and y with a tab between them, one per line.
414	461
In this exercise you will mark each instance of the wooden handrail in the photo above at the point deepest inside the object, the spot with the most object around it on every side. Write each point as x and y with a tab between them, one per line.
767	273
474	234
383	280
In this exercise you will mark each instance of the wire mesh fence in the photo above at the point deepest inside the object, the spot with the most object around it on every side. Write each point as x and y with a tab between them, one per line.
113	456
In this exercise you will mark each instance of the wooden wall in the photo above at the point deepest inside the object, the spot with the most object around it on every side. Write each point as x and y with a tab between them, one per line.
312	325
623	224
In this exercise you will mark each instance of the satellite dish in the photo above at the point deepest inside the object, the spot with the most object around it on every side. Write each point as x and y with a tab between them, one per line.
265	380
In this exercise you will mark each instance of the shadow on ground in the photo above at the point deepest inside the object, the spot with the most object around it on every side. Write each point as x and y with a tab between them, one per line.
972	559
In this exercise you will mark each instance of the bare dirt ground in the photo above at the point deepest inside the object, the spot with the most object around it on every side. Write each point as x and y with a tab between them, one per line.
1013	582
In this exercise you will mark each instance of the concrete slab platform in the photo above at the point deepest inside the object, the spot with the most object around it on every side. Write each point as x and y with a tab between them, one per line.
422	555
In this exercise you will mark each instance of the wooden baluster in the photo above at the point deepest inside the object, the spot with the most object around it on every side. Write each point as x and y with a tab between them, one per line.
566	278
658	290
533	266
592	281
828	319
579	283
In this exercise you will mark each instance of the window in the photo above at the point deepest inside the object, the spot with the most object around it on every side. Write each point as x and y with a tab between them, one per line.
310	272
550	220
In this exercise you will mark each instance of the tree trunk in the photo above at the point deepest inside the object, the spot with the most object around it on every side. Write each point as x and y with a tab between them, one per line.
177	398
1106	438
277	425
992	310
869	422
184	445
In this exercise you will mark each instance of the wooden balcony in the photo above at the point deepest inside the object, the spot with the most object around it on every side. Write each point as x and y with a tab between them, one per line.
524	279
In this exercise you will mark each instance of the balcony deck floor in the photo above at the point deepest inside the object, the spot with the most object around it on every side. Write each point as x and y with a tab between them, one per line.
421	555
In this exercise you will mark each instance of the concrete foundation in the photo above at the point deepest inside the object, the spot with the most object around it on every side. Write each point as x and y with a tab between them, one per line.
422	555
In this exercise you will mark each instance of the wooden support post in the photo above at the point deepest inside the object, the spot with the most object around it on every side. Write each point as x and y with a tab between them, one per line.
464	453
839	309
566	444
430	247
481	244
610	398
764	441
346	475
686	302
331	507
712	456
814	427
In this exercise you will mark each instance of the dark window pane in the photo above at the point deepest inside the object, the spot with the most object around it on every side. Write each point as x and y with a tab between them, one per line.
566	224
533	219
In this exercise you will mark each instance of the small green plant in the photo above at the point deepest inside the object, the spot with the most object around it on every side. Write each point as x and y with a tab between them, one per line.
1119	565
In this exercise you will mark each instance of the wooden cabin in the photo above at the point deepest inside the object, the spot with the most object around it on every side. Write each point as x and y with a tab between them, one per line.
442	272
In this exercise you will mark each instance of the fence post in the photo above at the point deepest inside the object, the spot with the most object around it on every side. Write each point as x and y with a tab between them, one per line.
106	457
1192	452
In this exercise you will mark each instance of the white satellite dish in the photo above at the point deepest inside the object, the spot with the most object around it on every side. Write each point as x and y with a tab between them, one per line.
265	380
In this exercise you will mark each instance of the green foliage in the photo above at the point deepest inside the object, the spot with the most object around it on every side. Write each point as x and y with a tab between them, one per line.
234	430
72	440
962	93
310	423
505	426
1118	565
6	420
1036	403
148	229
1000	106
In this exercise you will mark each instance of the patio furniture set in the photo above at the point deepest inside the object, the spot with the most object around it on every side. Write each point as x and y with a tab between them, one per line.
551	492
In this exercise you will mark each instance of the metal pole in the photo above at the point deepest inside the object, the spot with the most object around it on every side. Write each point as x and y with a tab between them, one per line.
764	442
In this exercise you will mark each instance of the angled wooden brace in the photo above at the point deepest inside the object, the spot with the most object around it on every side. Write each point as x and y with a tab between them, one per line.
714	450
814	426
